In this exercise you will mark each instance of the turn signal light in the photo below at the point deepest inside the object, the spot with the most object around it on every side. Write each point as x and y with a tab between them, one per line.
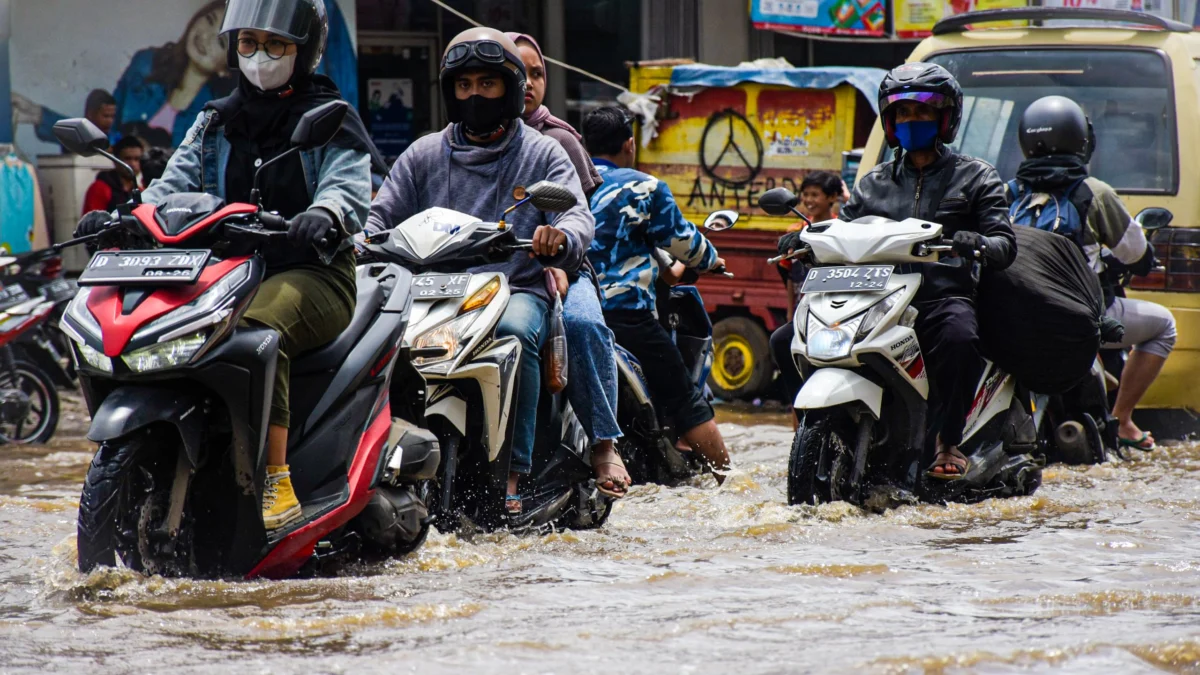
481	297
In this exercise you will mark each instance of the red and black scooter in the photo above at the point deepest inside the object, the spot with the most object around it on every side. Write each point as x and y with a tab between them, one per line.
179	394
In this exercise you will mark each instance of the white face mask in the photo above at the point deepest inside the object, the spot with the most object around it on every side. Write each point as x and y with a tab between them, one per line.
266	73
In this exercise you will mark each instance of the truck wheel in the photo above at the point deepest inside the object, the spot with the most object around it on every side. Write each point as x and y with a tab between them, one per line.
741	359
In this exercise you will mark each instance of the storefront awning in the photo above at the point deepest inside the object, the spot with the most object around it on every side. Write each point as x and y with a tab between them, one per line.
866	80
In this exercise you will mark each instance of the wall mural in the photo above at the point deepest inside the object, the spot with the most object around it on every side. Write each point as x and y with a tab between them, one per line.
163	88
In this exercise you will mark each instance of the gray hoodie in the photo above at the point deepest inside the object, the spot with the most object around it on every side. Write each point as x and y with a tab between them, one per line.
444	170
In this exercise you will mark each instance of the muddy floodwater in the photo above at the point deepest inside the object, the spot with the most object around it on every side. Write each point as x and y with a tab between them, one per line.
1098	572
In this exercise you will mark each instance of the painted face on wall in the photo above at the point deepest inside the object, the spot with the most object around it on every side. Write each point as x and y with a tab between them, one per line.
205	46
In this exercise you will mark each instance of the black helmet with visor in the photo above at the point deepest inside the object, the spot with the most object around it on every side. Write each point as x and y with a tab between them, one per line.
926	83
305	22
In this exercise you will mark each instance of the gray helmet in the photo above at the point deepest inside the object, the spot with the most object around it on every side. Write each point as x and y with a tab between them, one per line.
1055	125
305	22
486	49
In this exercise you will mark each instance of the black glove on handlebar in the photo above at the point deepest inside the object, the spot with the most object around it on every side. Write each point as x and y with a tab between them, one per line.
310	227
969	244
789	242
92	222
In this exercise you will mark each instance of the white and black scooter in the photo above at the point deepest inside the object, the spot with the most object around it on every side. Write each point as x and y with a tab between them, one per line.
863	405
471	374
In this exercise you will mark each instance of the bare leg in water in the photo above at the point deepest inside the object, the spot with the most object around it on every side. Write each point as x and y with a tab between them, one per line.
706	441
1139	373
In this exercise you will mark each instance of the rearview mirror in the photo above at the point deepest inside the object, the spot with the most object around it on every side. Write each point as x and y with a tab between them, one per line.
551	197
1154	218
778	202
318	126
81	137
719	221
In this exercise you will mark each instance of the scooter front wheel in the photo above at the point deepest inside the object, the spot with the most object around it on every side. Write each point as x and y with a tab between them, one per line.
822	444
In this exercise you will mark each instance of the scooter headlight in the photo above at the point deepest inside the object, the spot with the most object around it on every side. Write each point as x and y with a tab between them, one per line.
205	310
830	343
79	315
94	358
165	355
450	336
876	314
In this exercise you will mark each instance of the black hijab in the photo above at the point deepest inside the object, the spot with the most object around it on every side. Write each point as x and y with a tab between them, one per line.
259	125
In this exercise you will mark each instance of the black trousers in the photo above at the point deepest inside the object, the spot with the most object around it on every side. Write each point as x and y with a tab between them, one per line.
948	333
781	353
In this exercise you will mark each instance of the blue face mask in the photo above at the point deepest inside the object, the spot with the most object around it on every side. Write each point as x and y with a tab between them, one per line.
917	135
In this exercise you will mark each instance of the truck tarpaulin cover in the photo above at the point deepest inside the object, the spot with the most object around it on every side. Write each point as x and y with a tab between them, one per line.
1040	318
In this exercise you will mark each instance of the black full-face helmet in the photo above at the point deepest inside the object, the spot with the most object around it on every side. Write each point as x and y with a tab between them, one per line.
484	49
926	83
1055	125
304	22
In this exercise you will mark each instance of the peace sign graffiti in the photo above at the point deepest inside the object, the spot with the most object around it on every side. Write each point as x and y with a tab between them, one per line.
716	128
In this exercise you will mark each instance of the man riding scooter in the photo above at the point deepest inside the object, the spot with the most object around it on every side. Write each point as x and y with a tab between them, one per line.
920	108
474	166
276	46
636	213
1057	140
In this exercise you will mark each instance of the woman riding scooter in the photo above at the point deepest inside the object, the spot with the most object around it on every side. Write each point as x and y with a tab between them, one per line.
276	46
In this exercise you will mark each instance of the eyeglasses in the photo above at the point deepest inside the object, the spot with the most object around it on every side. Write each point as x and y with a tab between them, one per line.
488	51
275	49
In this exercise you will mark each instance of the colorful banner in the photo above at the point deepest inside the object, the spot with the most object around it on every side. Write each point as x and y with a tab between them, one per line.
915	18
1162	8
861	18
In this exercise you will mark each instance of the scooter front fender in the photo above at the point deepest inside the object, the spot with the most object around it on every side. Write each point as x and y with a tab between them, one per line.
133	407
830	387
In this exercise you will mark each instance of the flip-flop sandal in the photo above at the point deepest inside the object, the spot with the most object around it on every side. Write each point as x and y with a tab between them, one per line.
513	505
1138	444
962	470
618	484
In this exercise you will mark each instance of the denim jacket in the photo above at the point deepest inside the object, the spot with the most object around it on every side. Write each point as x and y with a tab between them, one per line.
338	179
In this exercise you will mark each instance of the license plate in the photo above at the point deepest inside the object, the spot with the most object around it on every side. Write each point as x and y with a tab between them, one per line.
438	286
847	279
144	268
58	289
11	296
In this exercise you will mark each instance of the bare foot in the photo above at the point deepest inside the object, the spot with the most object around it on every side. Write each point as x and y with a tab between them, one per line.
612	478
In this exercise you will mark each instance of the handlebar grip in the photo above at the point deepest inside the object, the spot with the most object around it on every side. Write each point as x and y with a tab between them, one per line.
273	221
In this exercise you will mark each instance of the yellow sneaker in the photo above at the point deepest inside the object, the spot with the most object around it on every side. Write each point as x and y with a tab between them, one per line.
280	506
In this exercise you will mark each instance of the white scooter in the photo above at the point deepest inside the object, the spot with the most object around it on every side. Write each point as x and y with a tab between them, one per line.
864	402
471	374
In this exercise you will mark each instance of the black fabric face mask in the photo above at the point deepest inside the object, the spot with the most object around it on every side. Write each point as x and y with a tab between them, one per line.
482	115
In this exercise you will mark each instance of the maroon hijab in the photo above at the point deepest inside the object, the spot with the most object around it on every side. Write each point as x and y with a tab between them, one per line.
541	118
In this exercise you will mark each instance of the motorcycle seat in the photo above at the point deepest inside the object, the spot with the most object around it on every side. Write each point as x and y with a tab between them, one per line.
332	355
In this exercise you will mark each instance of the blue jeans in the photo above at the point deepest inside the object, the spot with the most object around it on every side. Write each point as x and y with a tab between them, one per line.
592	377
527	319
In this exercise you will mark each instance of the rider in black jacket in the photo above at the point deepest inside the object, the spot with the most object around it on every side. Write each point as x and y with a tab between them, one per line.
920	108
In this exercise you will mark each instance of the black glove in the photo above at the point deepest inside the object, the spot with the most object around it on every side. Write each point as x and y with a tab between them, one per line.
970	244
789	242
92	222
310	227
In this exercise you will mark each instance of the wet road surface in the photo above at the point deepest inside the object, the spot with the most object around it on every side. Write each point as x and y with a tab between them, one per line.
1097	572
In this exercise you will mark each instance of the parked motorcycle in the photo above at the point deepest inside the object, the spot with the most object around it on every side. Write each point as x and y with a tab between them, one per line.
40	274
863	406
179	393
471	374
648	446
29	402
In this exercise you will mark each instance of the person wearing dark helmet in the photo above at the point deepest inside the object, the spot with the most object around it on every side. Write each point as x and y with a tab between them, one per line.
920	108
276	46
1057	140
473	167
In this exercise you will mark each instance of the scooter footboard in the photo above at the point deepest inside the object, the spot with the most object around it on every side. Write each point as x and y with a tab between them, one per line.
830	387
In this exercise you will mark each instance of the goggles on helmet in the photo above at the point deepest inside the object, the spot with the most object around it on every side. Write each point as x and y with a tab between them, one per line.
488	51
927	97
